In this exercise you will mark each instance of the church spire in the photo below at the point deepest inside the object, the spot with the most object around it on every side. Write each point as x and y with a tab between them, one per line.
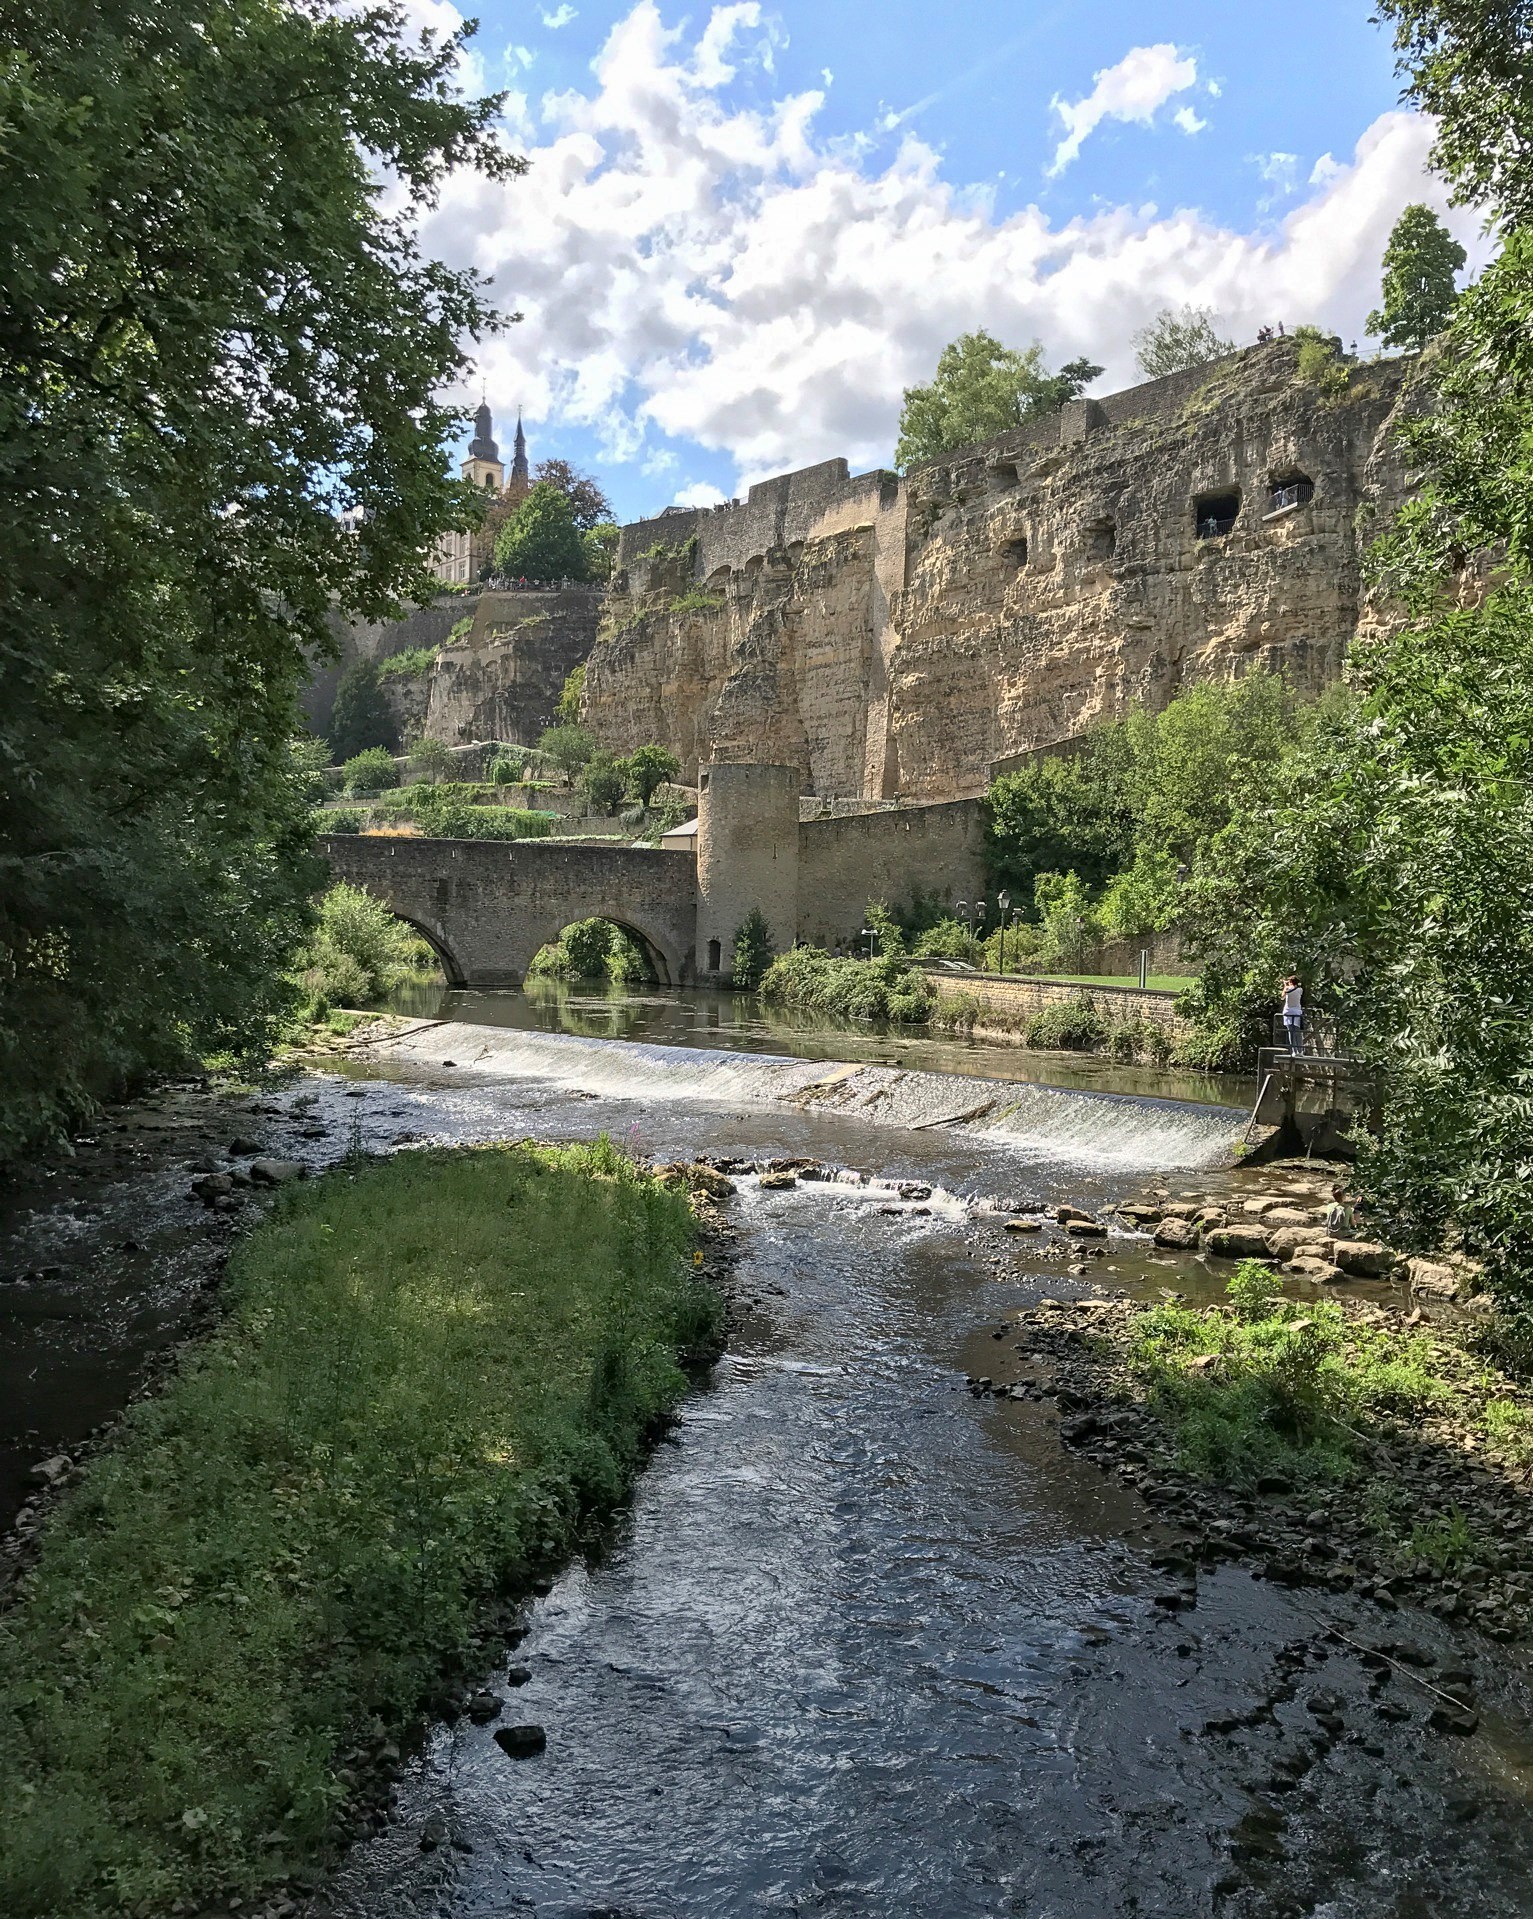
519	456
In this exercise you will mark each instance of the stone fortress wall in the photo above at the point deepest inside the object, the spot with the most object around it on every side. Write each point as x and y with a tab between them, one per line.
897	638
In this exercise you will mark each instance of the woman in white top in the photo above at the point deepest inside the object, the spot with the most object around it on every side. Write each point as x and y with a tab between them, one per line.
1293	1013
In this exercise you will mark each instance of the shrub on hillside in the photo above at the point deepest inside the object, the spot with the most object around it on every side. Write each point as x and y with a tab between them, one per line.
370	771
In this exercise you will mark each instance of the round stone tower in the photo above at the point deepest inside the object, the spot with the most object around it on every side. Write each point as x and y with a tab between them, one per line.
747	855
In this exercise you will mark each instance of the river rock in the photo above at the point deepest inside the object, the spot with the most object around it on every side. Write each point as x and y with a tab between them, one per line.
484	1706
1432	1279
1181	1210
1140	1212
521	1742
1085	1229
1292	1242
1023	1226
214	1186
1064	1214
706	1180
1364	1258
778	1182
276	1172
1278	1216
1236	1242
1176	1233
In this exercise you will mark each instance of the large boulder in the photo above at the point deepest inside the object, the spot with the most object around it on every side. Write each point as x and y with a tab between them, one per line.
1176	1233
1290	1242
1364	1258
276	1172
1433	1279
1236	1242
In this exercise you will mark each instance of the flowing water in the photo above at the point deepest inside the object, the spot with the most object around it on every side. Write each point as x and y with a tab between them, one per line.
866	1644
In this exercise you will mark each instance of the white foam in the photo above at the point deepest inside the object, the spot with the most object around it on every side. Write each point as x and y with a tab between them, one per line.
1102	1129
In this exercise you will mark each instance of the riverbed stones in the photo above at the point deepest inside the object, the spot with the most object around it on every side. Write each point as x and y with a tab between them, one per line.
1085	1229
276	1172
778	1182
482	1707
1023	1226
521	1742
1177	1233
213	1186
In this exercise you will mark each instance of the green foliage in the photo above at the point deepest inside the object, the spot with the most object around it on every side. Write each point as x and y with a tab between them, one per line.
1319	363
600	544
567	712
310	762
1270	1386
569	748
431	758
541	541
812	981
415	663
981	389
1072	1026
1143	899
949	939
433	1371
446	812
341	819
1420	263
370	771
1177	339
590	509
605	781
696	601
358	950
201	282
591	950
752	951
889	941
361	716
505	771
648	767
1064	813
1068	928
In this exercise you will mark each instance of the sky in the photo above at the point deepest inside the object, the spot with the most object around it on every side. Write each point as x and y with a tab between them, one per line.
746	227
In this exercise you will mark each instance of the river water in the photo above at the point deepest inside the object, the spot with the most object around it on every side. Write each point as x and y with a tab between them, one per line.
866	1644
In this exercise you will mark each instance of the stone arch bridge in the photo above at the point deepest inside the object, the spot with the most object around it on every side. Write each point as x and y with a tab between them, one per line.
488	905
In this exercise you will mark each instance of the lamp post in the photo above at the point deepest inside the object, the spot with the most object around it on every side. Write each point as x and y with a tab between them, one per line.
1003	901
869	935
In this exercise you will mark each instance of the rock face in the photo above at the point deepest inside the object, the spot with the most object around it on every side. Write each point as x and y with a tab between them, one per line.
905	637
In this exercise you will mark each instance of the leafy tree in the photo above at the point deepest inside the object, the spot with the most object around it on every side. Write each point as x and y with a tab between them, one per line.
589	506
200	284
569	747
753	952
541	541
648	767
1179	338
600	543
311	764
431	759
1067	921
605	781
982	389
361	715
1062	814
505	770
570	695
370	771
1420	262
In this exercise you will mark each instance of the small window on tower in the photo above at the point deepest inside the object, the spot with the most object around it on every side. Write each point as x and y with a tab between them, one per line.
489	482
715	956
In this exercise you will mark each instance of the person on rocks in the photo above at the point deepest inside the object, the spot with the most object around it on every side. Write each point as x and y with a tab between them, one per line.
1340	1215
1293	1013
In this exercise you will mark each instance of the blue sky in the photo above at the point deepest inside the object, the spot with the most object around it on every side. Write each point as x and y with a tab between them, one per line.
747	227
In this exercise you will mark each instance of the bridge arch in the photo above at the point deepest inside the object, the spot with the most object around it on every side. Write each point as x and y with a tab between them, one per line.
486	906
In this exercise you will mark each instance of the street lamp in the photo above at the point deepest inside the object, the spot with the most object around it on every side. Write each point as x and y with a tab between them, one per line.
1003	901
869	935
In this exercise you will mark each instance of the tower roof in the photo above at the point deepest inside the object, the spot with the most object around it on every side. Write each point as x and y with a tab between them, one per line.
482	446
519	454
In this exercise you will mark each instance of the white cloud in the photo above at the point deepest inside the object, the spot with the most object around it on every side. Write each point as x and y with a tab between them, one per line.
1326	169
1135	89
1187	119
694	270
522	57
560	17
701	494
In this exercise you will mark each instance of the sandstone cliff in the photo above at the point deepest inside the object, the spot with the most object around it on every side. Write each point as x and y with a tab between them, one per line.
903	637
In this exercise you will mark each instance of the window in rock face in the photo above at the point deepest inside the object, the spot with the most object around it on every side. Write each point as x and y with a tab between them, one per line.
1291	488
1214	514
1101	540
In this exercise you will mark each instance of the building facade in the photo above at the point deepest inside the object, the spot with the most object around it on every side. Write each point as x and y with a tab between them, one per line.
465	556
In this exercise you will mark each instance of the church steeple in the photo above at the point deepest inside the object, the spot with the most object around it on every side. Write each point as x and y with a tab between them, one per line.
482	446
519	455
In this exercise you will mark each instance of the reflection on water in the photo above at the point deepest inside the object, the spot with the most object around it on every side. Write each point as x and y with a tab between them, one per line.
738	1022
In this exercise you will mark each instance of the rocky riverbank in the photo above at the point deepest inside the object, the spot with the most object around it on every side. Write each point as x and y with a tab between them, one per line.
1429	1508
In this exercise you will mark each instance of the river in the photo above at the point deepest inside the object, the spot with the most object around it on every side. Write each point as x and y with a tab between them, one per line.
867	1644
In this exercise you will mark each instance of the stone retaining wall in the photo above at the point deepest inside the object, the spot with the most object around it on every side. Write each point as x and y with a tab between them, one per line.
1008	1000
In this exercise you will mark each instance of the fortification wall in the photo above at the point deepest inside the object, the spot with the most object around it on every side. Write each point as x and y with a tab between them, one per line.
889	856
897	638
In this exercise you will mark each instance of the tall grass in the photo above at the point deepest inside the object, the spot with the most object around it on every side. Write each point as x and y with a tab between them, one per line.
432	1372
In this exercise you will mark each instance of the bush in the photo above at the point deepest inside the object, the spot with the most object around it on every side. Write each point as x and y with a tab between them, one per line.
340	819
753	951
604	780
370	771
1068	926
431	759
415	662
809	979
1074	1026
504	771
358	950
949	939
592	950
1319	363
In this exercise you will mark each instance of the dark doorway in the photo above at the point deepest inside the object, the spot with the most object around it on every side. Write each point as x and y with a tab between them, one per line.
1215	514
715	956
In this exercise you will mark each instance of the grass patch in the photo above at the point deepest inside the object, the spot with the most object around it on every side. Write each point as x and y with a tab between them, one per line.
1265	1385
433	1370
1156	983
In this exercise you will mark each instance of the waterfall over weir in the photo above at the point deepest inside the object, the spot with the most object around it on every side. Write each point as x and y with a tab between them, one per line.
1039	1122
